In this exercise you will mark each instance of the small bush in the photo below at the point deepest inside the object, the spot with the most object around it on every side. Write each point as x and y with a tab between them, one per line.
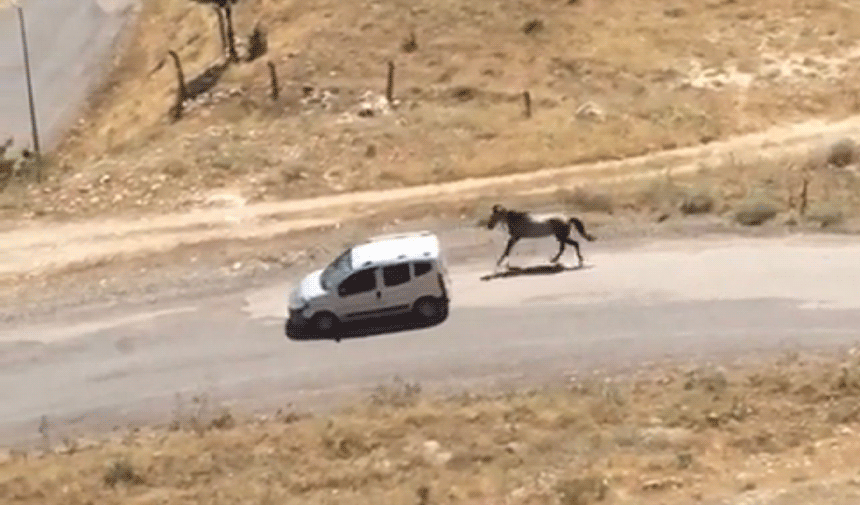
399	394
841	153
533	26
825	214
658	195
582	491
410	45
224	421
699	203
585	200
122	472
755	212
463	93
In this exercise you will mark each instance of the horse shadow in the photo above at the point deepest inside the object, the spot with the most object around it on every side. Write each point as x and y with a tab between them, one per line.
556	268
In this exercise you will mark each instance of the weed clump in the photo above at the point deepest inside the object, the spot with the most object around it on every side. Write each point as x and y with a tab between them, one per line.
121	472
585	200
755	211
825	214
399	394
698	203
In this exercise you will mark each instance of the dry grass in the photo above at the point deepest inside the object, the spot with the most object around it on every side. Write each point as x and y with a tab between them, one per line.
668	434
607	80
756	211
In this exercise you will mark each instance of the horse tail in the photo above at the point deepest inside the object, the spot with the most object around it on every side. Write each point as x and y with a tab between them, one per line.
581	229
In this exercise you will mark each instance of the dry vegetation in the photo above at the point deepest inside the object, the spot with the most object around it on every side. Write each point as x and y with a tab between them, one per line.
672	436
606	80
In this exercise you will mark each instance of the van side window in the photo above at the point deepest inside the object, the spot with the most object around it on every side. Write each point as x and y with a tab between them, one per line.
422	267
394	275
359	282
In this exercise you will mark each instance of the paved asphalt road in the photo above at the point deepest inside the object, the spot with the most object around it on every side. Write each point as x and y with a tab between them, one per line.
67	39
653	300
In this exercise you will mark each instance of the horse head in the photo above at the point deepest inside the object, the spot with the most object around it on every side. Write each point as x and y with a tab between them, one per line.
497	215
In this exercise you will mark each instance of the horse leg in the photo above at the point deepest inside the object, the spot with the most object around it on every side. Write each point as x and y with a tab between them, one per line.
575	245
511	242
560	250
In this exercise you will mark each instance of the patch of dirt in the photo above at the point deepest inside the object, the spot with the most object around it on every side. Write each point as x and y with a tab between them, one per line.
607	80
747	432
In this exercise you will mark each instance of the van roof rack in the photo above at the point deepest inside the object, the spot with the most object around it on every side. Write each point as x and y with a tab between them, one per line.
394	236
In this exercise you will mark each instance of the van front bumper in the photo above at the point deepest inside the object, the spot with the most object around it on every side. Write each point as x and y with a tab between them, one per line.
296	324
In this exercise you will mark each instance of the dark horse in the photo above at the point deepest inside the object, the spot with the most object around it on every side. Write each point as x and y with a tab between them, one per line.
522	225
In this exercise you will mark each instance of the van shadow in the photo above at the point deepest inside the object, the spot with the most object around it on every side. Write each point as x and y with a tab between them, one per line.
533	270
375	327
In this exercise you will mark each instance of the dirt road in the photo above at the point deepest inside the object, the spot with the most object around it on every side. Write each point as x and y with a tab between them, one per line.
702	298
38	246
68	41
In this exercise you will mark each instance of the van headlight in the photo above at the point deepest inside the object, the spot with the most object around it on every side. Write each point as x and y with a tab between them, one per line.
297	302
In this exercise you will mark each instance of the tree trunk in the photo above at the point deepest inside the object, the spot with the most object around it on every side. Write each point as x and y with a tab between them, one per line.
222	29
231	39
182	90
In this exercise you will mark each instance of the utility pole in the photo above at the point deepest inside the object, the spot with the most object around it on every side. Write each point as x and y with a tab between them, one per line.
36	149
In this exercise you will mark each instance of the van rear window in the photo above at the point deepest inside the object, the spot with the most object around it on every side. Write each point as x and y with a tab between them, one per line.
422	267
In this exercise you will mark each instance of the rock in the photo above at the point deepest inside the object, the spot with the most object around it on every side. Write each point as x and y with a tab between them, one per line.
660	438
516	448
590	111
432	447
225	200
662	484
433	453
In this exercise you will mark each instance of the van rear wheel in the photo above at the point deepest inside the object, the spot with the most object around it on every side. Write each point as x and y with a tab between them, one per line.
428	309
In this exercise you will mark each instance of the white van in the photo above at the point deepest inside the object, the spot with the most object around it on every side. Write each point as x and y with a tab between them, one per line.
384	276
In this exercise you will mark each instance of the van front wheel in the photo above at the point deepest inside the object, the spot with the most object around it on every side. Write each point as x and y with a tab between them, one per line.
428	309
324	323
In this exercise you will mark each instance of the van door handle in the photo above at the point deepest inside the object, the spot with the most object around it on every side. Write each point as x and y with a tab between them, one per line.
379	294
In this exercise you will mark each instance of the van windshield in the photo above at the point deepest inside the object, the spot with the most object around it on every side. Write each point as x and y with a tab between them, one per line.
338	270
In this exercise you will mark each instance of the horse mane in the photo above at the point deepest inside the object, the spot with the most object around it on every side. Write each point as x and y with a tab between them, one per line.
516	214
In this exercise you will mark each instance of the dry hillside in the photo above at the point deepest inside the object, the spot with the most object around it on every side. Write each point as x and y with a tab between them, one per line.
607	79
778	433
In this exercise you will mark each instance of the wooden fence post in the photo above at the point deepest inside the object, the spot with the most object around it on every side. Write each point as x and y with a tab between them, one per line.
274	77
389	89
528	103
804	195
